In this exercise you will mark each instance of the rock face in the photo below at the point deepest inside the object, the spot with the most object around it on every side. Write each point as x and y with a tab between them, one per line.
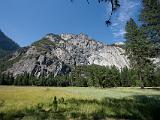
109	56
57	54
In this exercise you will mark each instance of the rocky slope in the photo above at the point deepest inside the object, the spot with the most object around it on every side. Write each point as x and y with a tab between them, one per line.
57	54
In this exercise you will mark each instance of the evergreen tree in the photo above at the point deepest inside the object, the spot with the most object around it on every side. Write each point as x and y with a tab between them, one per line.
15	81
156	82
138	49
125	77
150	17
0	79
111	78
32	80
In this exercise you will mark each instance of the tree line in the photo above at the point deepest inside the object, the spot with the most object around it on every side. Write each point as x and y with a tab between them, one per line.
85	76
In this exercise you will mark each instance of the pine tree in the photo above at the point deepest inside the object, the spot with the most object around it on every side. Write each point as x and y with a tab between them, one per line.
157	78
0	79
125	77
138	49
150	17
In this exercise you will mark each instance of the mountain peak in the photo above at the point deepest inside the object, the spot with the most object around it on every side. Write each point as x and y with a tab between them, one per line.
83	35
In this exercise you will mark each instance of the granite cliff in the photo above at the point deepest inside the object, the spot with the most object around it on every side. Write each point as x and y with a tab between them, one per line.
58	54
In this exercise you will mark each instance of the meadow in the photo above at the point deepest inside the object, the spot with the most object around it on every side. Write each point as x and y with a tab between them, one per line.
35	103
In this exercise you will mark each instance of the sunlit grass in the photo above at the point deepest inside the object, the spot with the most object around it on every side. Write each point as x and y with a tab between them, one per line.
18	98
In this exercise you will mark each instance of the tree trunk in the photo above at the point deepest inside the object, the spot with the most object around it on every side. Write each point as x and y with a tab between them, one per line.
142	85
141	80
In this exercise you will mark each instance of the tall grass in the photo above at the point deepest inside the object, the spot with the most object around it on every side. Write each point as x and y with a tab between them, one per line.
36	103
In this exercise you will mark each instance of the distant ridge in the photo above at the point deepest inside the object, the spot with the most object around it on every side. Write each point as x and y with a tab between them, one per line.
7	45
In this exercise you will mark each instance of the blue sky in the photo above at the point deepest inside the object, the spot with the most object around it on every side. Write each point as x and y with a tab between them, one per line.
26	21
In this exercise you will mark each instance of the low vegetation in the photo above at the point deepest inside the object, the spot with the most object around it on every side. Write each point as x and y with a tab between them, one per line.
39	103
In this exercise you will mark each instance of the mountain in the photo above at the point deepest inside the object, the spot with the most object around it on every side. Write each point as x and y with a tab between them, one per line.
7	45
58	54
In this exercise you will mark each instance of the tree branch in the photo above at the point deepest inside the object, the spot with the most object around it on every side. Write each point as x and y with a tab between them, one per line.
115	5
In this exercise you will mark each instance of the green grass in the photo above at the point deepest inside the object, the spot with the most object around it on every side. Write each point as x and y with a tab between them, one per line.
80	102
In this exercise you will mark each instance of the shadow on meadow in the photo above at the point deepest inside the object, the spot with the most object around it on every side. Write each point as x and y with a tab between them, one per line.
158	89
134	107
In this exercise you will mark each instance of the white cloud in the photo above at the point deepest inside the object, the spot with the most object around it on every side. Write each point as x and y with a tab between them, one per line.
119	33
114	24
127	10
